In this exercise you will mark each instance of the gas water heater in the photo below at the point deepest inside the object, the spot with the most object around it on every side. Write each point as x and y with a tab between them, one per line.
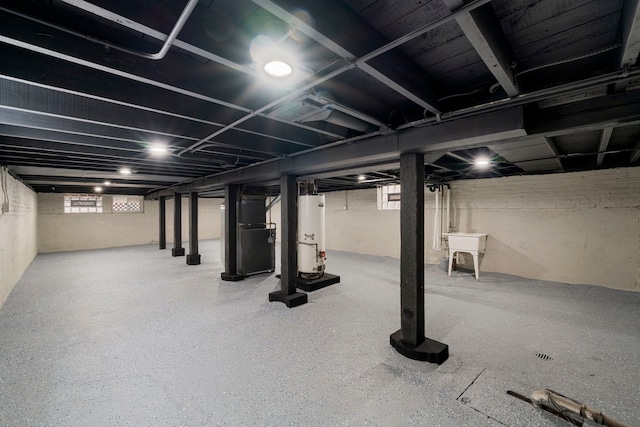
311	241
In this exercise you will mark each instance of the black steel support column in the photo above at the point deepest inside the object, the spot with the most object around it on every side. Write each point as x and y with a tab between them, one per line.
194	257
289	254
412	248
162	208
231	200
177	250
410	340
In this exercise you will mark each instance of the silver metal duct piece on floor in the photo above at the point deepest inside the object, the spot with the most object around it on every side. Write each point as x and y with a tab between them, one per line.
562	403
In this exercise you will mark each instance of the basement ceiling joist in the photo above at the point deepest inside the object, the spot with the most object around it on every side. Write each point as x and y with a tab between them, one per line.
369	75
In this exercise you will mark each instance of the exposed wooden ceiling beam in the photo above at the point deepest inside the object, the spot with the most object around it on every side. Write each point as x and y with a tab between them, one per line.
483	30
554	149
635	155
467	132
630	33
331	19
605	137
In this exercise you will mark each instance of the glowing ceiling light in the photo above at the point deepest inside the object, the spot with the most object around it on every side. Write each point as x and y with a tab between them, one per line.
482	162
106	183
97	189
125	171
361	177
278	69
159	149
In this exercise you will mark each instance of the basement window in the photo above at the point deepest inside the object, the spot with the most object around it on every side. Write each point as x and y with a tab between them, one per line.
82	203
127	204
389	197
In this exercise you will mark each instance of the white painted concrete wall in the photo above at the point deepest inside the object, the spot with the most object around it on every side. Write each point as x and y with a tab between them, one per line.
58	231
581	228
574	227
355	224
18	239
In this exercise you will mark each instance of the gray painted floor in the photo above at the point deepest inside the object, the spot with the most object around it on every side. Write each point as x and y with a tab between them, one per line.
132	336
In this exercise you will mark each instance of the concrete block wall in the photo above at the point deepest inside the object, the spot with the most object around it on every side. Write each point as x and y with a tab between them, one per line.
354	224
18	240
58	231
581	228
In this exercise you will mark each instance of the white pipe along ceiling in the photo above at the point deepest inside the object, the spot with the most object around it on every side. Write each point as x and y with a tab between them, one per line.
87	88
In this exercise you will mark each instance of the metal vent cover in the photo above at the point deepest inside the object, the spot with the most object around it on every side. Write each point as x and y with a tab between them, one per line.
543	356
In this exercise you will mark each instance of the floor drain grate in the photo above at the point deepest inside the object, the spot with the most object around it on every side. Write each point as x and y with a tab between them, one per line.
543	356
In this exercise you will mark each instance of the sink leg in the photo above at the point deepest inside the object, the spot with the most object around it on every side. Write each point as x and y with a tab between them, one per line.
450	261
475	264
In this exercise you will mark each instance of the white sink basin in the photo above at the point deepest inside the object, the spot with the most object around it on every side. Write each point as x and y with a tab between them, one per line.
466	242
473	243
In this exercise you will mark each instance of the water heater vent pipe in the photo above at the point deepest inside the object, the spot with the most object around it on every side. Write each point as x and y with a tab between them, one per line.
437	225
442	213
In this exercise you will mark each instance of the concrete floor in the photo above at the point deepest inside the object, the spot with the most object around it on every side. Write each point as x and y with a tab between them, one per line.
132	336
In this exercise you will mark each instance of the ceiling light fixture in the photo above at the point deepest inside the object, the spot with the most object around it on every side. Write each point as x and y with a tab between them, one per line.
482	162
159	149
107	183
97	189
361	177
125	171
277	68
272	57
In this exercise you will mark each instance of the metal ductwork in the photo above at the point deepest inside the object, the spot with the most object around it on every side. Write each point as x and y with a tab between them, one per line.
340	119
309	108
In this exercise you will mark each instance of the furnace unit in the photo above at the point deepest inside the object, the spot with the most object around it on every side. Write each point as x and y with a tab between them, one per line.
256	238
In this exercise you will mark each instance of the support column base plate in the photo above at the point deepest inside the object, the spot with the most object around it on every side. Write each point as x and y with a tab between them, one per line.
429	351
193	259
177	252
292	300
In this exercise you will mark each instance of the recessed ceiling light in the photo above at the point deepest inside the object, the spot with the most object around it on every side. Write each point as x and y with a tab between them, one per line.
97	189
482	162
278	69
125	171
159	149
107	183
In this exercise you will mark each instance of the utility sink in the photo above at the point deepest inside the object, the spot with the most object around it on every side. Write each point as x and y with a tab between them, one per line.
473	243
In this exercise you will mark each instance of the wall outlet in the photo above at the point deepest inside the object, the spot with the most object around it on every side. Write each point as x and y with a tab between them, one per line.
5	208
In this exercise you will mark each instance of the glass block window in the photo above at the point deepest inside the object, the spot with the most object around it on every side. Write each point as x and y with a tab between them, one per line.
389	197
82	203
127	204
